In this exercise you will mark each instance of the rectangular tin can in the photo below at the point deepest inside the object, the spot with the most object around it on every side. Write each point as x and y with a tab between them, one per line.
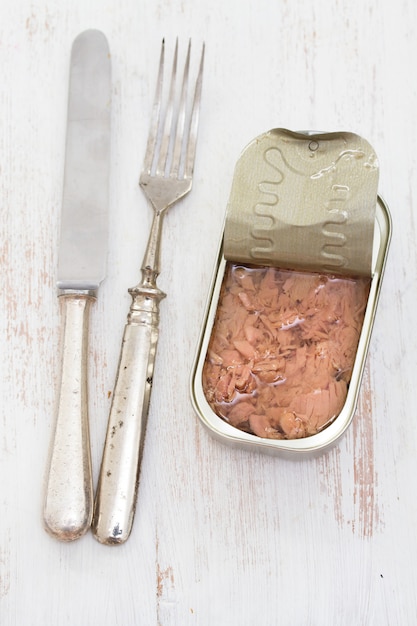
321	441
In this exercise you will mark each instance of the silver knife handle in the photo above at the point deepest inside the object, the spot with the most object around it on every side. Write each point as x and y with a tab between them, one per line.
69	491
119	475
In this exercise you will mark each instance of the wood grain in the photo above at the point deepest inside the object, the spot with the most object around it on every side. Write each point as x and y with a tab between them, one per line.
222	536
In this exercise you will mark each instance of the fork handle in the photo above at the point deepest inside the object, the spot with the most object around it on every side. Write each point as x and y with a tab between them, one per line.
116	495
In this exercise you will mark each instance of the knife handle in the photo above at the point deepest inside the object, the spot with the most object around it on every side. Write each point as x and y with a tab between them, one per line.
116	495
69	491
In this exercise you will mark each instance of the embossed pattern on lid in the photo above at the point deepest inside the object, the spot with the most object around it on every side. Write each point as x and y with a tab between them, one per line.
304	201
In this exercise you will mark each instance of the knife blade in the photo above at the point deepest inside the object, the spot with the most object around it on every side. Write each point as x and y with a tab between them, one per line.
82	256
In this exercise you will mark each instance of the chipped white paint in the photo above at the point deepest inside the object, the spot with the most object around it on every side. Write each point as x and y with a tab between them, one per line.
221	536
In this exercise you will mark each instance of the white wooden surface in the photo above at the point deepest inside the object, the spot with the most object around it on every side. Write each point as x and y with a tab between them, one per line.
222	537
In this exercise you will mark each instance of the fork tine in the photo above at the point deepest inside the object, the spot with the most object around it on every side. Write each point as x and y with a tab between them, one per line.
193	129
169	119
179	134
156	108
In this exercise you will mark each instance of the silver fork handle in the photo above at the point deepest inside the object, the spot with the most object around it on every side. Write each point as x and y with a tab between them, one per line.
116	495
68	505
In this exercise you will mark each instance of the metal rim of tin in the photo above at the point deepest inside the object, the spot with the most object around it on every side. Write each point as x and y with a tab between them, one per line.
223	431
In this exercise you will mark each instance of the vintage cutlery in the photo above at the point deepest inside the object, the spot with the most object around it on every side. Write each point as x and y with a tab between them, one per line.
167	177
82	262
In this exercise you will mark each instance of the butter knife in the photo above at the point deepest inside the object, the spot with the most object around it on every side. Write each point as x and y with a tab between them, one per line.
83	246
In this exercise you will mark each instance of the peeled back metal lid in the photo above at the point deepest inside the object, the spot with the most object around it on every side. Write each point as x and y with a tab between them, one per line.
304	201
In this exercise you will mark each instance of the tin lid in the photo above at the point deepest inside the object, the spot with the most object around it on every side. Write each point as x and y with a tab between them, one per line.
304	201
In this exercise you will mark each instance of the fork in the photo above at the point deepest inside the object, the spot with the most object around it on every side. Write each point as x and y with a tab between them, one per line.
166	177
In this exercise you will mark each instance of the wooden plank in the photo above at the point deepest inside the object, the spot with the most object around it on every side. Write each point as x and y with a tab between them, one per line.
222	536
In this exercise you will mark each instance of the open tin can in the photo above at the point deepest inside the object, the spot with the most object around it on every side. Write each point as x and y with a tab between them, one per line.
257	380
